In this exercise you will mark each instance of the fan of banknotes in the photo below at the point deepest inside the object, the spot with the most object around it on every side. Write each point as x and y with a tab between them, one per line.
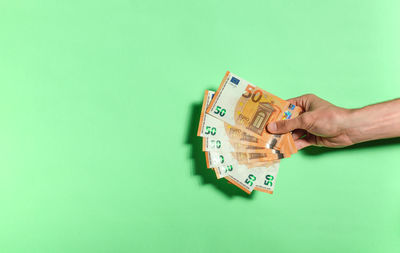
237	146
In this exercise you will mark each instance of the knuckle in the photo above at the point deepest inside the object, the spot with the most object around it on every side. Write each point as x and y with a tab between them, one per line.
307	121
310	95
307	95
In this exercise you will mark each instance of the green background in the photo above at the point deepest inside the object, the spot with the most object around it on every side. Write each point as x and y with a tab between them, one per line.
99	105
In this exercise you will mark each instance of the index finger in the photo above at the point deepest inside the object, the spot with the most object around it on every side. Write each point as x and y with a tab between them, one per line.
302	101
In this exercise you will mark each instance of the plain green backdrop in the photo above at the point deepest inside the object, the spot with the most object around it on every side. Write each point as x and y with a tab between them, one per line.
99	105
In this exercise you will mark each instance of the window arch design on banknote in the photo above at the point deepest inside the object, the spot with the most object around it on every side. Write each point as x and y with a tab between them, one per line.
260	118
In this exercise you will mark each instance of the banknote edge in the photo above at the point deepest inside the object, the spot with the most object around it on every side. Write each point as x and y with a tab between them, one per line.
202	113
234	182
216	94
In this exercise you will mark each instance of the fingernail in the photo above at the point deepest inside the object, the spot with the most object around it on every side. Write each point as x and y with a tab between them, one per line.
272	127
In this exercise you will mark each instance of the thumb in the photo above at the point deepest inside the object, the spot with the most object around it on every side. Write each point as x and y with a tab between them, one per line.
285	126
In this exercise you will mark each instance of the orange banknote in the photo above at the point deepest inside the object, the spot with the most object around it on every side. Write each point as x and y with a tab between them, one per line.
249	108
261	178
229	136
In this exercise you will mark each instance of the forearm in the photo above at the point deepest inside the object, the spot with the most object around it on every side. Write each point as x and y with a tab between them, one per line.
373	122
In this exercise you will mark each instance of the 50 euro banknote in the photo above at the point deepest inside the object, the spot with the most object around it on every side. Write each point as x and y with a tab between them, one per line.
212	127
221	145
261	178
214	159
249	108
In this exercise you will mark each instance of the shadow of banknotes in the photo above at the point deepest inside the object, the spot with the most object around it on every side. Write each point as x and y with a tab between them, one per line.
377	144
199	161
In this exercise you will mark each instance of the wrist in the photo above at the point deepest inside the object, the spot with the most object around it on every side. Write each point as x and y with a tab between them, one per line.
352	125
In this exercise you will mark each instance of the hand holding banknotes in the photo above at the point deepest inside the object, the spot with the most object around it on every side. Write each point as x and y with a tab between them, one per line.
324	124
235	118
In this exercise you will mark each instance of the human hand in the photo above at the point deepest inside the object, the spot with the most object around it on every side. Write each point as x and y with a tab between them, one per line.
320	124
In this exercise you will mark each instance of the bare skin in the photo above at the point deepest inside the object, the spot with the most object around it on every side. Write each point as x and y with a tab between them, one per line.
324	124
